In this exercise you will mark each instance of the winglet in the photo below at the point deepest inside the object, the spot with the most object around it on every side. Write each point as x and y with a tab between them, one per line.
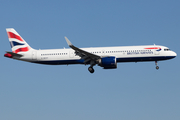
68	42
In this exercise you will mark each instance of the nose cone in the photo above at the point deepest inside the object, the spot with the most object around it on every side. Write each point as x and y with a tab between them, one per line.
173	54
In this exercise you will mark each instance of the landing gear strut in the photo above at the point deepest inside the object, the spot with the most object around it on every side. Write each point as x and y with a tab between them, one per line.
157	67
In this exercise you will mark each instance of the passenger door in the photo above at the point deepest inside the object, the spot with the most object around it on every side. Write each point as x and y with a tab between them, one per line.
71	53
34	55
156	52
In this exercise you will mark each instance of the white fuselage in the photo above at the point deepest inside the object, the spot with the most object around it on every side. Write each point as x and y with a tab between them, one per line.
122	54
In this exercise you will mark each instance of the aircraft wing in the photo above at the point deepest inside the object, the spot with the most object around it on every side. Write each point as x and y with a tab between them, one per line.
87	56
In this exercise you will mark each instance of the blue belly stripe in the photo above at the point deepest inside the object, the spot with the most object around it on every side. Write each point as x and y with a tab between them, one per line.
129	59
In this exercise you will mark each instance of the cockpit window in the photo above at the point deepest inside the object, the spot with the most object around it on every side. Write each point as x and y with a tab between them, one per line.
167	50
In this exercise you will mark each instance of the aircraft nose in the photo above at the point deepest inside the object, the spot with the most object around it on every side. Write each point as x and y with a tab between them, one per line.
174	54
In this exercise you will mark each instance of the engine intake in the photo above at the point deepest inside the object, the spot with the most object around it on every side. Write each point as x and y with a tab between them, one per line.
108	62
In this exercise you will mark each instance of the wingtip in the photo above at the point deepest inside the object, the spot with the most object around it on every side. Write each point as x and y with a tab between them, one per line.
67	40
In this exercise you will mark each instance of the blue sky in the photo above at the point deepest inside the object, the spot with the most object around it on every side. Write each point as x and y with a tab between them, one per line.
133	91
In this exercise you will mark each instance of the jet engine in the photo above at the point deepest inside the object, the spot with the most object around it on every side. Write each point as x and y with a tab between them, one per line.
108	62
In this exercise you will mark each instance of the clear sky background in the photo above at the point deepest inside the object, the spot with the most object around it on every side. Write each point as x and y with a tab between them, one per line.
133	91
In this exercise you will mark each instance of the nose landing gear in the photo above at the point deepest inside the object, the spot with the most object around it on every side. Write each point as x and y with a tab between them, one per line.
157	67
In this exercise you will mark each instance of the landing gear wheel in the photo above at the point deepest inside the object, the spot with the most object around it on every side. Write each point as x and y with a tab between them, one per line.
91	70
157	67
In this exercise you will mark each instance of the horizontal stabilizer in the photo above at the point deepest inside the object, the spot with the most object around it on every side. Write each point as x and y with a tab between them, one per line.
11	54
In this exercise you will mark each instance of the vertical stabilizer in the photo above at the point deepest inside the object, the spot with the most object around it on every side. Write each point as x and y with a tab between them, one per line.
18	44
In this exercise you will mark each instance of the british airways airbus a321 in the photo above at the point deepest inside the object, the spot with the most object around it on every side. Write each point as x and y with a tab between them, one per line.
106	57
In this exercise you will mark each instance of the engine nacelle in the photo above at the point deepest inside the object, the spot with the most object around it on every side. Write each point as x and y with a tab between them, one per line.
108	62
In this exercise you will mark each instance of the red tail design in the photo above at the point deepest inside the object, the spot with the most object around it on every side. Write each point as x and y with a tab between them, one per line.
25	49
12	35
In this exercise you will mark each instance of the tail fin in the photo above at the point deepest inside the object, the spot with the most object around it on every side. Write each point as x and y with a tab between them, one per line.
18	44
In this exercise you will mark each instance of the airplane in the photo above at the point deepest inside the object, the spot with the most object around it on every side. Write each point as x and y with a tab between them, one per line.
105	57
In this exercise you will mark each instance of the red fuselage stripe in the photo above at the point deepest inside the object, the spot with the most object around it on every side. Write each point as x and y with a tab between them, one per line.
153	48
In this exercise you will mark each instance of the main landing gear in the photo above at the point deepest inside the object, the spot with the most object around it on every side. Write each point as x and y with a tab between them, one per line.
157	67
91	69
